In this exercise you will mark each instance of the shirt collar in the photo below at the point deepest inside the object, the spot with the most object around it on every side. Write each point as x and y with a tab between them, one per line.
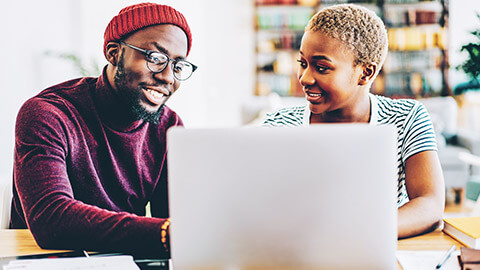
111	108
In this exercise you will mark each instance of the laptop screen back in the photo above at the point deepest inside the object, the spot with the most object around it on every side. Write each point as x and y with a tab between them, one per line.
288	198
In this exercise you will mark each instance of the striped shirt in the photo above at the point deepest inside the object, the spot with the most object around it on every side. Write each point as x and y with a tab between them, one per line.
413	125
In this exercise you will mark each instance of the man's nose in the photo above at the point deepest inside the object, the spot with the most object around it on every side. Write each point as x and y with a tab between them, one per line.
166	75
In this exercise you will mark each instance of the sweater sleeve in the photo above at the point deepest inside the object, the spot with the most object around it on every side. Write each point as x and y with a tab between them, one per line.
56	219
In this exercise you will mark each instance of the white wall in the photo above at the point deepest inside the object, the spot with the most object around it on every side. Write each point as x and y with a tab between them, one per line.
222	48
28	29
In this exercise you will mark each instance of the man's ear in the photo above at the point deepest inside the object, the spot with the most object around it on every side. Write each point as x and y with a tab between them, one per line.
369	71
112	52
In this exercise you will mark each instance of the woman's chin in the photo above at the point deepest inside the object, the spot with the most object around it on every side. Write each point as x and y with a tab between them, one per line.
317	108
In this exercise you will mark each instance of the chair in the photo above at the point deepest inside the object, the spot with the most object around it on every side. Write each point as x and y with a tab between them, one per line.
5	202
473	187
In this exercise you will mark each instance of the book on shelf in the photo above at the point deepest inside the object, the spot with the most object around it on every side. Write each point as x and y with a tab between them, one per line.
464	229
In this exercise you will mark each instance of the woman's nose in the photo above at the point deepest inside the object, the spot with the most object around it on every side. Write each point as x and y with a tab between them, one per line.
305	77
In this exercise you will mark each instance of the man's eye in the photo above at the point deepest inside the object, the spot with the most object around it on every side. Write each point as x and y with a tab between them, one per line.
157	59
179	66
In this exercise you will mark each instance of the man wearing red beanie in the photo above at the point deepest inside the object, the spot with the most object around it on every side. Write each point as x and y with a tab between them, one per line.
90	153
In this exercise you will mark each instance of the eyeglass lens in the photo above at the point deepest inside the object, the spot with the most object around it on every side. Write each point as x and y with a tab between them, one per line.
157	62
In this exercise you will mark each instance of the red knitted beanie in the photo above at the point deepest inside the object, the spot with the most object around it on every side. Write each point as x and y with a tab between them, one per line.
138	16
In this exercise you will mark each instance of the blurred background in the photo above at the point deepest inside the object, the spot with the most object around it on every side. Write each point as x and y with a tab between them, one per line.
246	53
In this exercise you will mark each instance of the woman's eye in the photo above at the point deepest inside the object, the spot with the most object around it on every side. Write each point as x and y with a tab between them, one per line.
302	63
321	68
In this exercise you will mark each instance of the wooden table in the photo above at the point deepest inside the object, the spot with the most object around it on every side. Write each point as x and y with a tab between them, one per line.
21	242
436	240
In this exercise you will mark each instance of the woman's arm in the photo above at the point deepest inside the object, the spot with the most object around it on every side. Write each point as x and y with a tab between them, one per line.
426	190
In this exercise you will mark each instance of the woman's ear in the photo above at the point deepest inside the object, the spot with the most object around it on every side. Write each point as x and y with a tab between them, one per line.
112	52
368	74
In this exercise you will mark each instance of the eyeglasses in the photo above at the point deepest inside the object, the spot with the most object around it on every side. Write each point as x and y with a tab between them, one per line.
158	61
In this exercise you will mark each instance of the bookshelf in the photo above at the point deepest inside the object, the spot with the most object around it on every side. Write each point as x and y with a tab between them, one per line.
279	27
416	66
417	62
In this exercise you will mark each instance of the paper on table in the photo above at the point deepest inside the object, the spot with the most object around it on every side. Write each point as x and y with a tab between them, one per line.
426	259
90	263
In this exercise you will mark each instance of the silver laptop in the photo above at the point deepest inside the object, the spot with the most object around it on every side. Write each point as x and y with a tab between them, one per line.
322	197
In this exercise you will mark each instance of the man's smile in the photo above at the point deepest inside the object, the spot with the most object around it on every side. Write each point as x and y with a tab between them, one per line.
156	95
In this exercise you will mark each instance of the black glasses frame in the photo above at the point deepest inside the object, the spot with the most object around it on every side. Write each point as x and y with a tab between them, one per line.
147	53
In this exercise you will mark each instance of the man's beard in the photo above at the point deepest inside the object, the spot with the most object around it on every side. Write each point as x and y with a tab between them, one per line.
132	96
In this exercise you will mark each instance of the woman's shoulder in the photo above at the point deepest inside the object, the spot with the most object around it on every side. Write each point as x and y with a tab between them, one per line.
393	104
403	113
390	108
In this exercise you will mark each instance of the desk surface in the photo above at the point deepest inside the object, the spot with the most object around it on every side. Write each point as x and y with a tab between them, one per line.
436	240
21	242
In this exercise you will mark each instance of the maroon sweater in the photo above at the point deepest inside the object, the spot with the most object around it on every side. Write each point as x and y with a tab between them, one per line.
82	177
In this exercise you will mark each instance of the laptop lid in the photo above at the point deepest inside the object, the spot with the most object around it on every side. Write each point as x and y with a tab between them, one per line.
291	198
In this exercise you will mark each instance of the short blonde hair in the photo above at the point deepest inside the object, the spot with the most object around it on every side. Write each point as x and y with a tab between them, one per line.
359	28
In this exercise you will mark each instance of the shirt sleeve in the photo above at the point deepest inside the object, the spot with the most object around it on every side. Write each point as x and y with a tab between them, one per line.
419	133
56	219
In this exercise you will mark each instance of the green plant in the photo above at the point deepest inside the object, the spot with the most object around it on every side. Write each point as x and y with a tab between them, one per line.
471	66
93	70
